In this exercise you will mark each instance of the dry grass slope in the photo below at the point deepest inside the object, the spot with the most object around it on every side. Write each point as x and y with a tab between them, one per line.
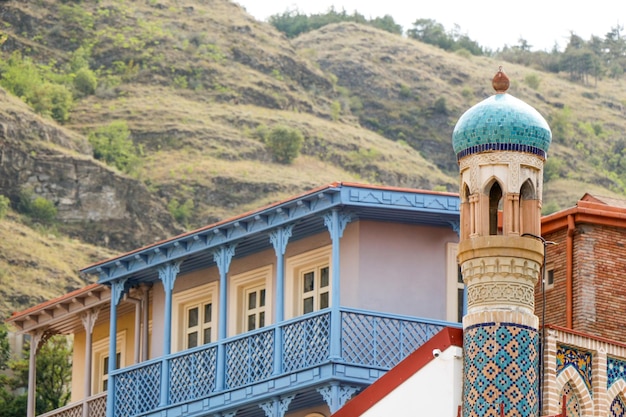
196	82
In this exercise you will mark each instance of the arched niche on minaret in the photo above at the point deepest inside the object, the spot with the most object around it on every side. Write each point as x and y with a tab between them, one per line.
529	208
495	194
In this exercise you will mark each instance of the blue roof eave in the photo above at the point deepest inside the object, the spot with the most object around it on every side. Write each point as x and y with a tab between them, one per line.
439	208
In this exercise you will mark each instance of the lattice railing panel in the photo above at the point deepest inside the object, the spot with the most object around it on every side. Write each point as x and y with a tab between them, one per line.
306	342
137	390
381	341
249	359
97	406
193	375
75	410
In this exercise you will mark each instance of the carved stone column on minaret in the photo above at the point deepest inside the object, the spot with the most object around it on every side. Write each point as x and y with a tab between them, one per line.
501	146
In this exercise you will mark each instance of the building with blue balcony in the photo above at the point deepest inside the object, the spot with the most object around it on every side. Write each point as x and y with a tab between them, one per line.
288	310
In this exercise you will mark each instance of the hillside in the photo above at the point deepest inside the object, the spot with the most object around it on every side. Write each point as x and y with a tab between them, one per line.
198	84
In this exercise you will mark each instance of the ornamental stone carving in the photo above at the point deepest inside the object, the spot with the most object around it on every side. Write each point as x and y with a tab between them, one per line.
517	168
500	293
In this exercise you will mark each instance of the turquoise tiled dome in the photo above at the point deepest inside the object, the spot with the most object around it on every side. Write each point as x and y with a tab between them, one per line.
501	123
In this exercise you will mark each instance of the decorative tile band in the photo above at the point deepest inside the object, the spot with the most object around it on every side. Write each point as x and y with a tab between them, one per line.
487	147
576	358
501	365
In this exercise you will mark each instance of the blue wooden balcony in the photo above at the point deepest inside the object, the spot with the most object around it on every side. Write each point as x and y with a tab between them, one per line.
293	357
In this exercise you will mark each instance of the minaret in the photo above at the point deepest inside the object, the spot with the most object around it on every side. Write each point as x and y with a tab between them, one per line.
501	146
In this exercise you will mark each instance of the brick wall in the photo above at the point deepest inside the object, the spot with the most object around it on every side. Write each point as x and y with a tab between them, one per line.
599	276
555	297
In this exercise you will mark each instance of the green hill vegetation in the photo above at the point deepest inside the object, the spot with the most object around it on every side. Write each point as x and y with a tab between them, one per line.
124	122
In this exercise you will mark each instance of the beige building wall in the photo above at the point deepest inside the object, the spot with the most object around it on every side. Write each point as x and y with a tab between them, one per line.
100	337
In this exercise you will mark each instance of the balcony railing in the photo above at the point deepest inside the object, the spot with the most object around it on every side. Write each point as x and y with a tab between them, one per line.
94	406
368	339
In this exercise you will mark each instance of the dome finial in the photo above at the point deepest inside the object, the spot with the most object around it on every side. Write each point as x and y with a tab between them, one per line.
500	82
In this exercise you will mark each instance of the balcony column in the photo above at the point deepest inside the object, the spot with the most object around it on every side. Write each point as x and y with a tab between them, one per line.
89	320
222	257
279	239
167	274
35	340
117	290
145	303
336	223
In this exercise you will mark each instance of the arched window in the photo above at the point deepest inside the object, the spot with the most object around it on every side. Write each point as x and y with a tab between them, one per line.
527	192
573	405
618	407
495	199
528	209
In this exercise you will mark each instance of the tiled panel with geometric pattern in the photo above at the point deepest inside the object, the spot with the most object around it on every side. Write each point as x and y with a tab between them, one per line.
501	365
615	369
577	358
618	408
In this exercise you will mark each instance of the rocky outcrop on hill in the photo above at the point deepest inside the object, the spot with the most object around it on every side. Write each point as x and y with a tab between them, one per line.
94	202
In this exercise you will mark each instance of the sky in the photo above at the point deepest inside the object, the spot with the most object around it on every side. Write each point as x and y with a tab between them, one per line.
493	24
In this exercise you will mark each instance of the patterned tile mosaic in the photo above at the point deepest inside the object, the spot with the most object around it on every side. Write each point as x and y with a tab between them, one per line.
501	366
615	370
501	122
579	359
618	407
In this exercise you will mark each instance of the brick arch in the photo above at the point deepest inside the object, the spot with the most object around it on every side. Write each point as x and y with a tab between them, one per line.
571	375
617	388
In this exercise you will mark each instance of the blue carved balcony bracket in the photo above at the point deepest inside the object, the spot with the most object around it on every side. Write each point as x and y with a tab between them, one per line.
337	395
277	407
168	273
336	222
456	226
279	238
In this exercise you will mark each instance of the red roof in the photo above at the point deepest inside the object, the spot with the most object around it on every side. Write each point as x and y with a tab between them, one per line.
39	307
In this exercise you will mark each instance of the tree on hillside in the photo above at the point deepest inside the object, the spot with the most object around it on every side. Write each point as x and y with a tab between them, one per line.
434	33
580	61
292	22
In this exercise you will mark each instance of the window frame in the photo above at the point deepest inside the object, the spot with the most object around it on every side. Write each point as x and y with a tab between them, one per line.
184	300
294	267
239	286
549	270
99	353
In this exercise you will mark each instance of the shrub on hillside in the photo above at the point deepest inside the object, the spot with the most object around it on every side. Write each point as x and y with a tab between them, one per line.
181	212
284	144
113	145
37	208
85	81
53	100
